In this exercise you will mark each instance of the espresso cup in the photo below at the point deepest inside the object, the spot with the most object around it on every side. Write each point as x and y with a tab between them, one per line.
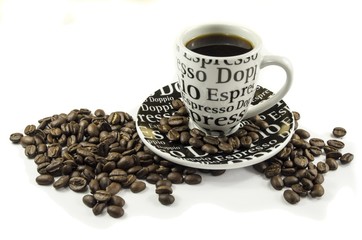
217	69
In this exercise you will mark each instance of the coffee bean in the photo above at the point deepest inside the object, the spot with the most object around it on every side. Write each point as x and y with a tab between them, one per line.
339	132
16	137
346	158
89	200
317	191
173	135
30	151
246	141
113	188
302	133
117	200
317	142
118	175
166	199
299	189
322	167
115	211
175	177
163	189
319	179
335	155
61	182
185	137
208	148
177	120
195	142
44	179
164	182
272	170
307	183
27	140
193	179
225	147
78	184
291	197
332	163
177	104
94	185
102	196
296	115
335	143
300	161
98	208
137	186
277	182
290	180
153	178
211	140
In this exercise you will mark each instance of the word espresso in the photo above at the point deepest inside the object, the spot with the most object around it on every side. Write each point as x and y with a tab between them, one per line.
100	155
294	166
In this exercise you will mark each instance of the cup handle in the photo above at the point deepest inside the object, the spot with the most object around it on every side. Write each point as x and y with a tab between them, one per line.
286	65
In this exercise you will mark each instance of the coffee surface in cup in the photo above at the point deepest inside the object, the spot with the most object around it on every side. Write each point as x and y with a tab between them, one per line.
219	45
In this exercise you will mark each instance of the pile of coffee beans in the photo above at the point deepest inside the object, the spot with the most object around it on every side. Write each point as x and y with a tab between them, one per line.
294	167
99	154
176	129
102	155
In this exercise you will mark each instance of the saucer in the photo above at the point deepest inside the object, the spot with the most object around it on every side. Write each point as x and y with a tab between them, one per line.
271	140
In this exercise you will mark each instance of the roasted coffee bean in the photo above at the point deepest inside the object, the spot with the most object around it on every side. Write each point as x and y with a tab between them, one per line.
126	162
300	161
113	188
272	170
115	211
322	167
44	179
296	115
208	148
118	175
177	104
196	133
335	143
89	200
117	200
332	163
153	178
317	142
166	199
317	191
319	179
291	197
30	151
234	141
211	140
185	137
246	141
225	147
137	186
173	135
260	167
217	172
316	151
329	149
27	140
102	196
94	185
289	171
277	182
78	184
105	181
164	189
61	182
98	208
175	177
195	142
193	179
346	158
177	120
335	155
163	182
130	179
16	137
298	188
307	183
339	132
290	180
302	133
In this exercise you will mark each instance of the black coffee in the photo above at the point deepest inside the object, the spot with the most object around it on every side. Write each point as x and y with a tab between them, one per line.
219	45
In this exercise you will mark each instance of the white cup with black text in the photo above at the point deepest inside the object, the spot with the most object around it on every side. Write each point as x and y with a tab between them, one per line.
217	69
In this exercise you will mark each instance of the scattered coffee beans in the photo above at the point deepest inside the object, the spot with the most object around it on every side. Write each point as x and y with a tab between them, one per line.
103	154
294	168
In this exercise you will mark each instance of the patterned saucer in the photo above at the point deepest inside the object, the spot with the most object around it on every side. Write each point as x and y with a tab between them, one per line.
271	140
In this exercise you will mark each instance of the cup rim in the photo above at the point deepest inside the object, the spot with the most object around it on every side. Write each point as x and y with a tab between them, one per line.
238	30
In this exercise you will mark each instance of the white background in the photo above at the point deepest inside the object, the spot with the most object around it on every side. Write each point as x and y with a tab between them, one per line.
59	55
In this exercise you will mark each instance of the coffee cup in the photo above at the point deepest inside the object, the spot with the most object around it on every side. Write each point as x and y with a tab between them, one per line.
217	71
